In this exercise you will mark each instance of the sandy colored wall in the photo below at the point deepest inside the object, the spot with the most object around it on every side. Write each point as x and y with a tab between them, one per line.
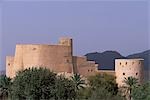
53	57
9	66
18	59
84	67
57	58
125	68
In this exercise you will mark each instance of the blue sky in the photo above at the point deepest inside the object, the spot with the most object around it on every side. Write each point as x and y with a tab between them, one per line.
95	26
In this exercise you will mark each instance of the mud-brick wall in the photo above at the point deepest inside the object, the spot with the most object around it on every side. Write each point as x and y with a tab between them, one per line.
84	67
125	68
54	57
9	66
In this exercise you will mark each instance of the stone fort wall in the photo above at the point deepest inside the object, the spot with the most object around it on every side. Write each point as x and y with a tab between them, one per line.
84	67
58	58
125	68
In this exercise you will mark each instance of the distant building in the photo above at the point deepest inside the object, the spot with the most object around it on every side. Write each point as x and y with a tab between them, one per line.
59	58
125	68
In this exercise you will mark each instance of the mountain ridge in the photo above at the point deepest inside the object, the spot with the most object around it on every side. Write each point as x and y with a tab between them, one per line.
106	59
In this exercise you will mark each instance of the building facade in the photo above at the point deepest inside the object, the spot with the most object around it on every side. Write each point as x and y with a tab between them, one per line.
125	68
58	58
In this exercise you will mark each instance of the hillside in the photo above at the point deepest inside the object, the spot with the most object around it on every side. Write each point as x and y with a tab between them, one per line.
145	55
106	59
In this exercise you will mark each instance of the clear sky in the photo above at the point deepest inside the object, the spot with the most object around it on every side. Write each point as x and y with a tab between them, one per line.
95	26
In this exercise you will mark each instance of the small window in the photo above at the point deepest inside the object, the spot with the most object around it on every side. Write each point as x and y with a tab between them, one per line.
123	73
88	70
91	70
120	63
126	63
139	63
136	73
67	61
8	64
34	49
132	63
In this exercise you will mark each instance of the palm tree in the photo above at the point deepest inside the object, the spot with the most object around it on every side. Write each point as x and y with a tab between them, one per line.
130	83
5	84
78	81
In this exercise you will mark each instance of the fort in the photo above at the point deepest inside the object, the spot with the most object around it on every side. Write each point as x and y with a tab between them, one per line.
59	58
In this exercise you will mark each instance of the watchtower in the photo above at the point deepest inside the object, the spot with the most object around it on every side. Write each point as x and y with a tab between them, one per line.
125	68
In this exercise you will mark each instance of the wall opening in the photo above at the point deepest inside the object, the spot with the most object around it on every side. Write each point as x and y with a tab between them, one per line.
132	63
139	63
34	49
8	64
123	73
67	61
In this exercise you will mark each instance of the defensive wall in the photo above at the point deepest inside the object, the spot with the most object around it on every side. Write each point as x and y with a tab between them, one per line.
59	58
125	68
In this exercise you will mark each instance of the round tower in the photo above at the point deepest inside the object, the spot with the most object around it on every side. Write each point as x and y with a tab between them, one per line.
125	68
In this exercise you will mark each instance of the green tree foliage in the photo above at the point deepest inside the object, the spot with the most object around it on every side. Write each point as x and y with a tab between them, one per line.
105	81
104	94
78	81
42	84
34	84
130	84
64	89
85	93
101	87
141	92
5	84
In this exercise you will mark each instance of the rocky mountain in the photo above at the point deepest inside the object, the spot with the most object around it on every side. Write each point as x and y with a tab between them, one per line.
106	59
145	55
